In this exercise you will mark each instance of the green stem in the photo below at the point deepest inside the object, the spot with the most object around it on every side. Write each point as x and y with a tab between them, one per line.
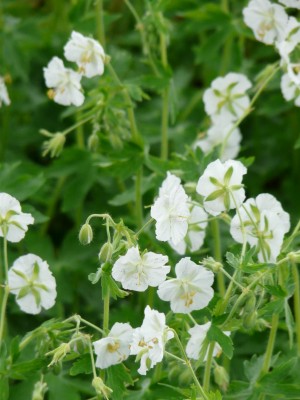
106	313
91	325
297	304
100	22
79	123
149	222
79	132
5	260
207	371
218	254
232	279
92	360
188	364
165	101
138	197
270	346
129	106
141	29
3	312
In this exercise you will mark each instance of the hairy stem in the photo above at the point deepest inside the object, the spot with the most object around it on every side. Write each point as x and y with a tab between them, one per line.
297	303
207	371
218	254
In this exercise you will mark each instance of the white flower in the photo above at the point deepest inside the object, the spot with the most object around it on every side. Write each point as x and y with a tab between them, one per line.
149	340
290	90
171	211
65	83
227	98
4	98
265	224
137	271
267	20
87	53
194	238
223	133
221	186
290	39
32	282
190	290
198	334
291	3
114	348
13	222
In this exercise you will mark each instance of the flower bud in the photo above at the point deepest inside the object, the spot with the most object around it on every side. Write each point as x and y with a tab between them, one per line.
39	390
221	377
55	145
59	353
294	256
93	142
86	234
105	252
249	320
212	264
250	303
100	388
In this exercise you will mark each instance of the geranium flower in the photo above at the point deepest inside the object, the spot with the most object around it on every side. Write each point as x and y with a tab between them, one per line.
221	186
290	90
198	334
171	211
87	53
137	271
114	348
65	83
194	238
4	98
265	224
291	3
149	340
267	20
190	290
13	222
217	135
227	98
32	282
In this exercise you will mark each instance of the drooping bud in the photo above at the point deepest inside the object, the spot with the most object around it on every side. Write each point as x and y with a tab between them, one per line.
105	252
59	353
39	390
250	303
55	145
100	388
212	264
249	320
93	142
85	234
221	377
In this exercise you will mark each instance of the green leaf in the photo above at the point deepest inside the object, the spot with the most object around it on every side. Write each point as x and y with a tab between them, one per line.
274	307
232	260
215	334
276	290
118	378
82	365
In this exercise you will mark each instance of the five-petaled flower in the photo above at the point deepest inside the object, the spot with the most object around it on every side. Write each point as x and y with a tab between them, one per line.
32	282
171	211
190	290
221	186
87	53
114	348
64	83
13	222
137	271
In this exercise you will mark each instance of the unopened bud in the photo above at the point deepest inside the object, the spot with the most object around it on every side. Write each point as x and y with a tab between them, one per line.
55	145
221	377
86	234
100	388
212	264
249	320
105	252
93	142
39	390
116	141
250	303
